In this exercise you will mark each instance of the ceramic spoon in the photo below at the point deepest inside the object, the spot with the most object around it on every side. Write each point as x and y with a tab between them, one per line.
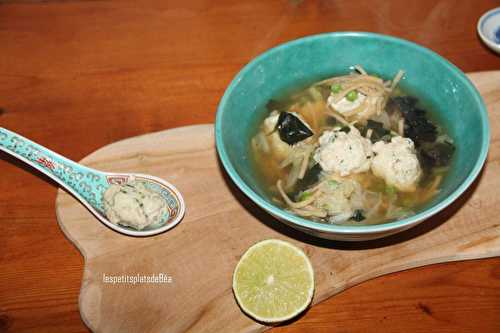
88	185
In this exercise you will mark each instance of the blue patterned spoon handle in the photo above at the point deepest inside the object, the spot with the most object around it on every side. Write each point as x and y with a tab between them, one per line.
83	182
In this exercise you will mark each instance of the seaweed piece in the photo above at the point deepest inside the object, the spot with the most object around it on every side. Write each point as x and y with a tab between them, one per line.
345	129
437	154
310	178
291	129
401	104
358	215
417	126
378	130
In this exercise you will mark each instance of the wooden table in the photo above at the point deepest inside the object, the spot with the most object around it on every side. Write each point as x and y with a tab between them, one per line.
77	75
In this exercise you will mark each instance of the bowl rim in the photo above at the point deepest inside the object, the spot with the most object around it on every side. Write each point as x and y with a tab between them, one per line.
480	28
350	229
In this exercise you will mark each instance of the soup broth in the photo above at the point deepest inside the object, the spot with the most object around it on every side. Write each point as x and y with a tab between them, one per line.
352	149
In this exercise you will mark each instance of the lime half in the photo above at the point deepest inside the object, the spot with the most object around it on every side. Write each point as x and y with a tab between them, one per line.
273	281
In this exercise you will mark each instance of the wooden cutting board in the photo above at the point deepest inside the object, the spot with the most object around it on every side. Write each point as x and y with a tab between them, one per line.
199	255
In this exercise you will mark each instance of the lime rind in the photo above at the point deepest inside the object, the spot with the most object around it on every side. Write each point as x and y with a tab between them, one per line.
273	281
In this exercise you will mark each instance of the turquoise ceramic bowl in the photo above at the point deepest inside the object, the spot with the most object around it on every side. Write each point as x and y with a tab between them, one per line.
441	85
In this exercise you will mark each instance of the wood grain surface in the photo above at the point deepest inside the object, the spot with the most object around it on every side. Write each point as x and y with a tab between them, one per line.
220	224
77	75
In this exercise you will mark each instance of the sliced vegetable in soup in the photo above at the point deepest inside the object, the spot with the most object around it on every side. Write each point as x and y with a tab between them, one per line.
351	149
